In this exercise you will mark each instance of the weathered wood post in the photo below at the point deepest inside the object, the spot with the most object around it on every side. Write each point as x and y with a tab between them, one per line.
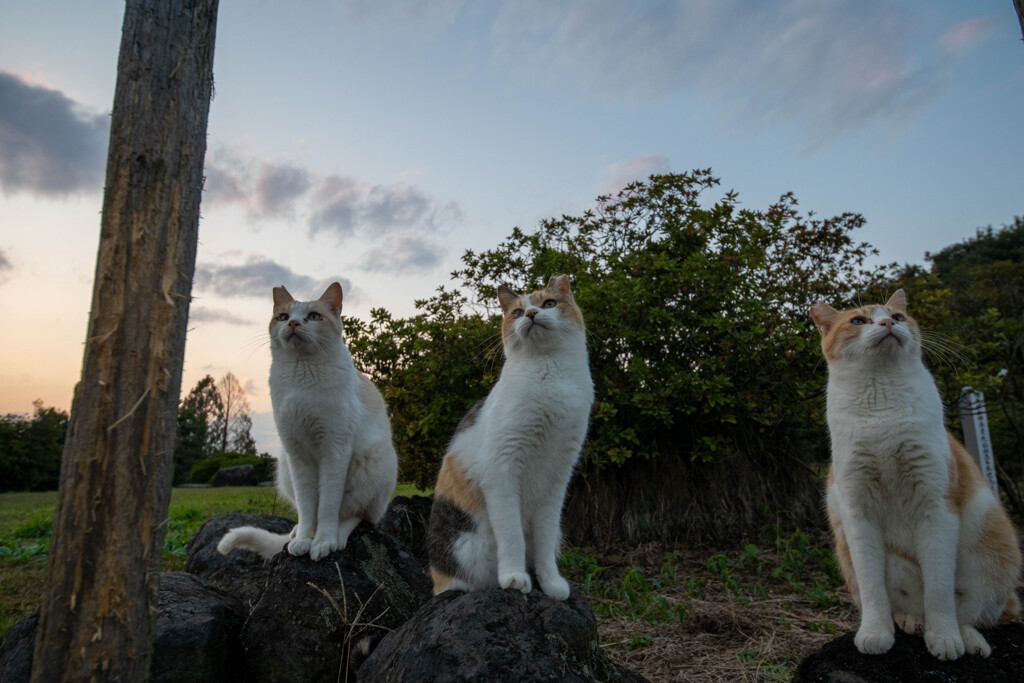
976	434
97	617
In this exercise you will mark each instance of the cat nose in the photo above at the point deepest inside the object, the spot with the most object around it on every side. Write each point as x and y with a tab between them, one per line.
887	322
293	323
531	312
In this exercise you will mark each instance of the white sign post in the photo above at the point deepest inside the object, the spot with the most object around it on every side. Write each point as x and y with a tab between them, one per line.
976	435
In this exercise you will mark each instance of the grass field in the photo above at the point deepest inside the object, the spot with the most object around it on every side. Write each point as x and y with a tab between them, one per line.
26	519
747	613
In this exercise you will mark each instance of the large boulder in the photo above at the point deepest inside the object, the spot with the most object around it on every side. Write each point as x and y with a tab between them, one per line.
196	636
240	572
493	635
196	632
239	475
406	519
910	662
16	650
315	619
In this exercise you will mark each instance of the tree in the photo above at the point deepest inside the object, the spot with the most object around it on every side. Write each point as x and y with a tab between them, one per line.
214	418
97	617
708	417
231	428
30	449
195	440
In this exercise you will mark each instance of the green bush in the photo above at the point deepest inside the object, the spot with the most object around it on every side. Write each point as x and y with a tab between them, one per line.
708	414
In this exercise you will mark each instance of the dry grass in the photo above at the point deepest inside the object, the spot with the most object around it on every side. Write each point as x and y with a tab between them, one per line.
710	615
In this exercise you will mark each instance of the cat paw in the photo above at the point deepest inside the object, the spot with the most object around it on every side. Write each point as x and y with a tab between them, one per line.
909	623
974	642
944	646
557	588
519	581
299	546
871	642
323	547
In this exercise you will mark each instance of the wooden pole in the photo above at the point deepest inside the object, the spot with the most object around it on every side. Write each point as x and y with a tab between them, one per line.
1019	6
98	613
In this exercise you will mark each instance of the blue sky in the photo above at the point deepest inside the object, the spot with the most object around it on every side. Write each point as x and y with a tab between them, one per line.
374	141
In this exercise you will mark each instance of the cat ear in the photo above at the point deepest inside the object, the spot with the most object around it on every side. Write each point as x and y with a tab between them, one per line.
507	298
332	297
282	297
897	302
560	283
824	316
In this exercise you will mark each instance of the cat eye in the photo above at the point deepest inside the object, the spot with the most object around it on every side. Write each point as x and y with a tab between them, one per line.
314	316
550	303
899	317
283	316
518	313
857	321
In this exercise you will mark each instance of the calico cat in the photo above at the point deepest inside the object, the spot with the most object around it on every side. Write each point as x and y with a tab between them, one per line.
921	538
339	465
498	500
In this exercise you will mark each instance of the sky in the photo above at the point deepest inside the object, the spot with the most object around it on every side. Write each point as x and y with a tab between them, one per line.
373	141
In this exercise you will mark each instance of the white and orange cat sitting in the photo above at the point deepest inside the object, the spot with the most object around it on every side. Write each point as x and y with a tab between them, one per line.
498	501
339	465
921	538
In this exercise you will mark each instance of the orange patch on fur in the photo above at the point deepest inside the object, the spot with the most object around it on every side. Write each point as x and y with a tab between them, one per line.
441	580
453	484
965	478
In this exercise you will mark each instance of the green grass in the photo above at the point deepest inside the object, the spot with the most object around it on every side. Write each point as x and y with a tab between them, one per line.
26	520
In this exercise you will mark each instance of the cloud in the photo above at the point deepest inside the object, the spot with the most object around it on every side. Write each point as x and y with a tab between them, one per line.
832	66
227	177
278	188
48	144
628	170
402	253
199	314
257	277
968	34
347	207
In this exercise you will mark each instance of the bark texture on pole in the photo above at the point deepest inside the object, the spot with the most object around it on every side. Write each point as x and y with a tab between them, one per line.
1019	6
98	611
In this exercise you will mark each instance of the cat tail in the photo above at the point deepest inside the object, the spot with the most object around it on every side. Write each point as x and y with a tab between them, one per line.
264	542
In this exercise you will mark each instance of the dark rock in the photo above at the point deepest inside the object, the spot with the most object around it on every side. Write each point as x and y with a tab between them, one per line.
196	632
196	636
239	475
315	618
910	662
406	519
495	635
242	573
16	650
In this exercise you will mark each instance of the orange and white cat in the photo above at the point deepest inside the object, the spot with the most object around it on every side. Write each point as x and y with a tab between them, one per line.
339	465
920	536
498	501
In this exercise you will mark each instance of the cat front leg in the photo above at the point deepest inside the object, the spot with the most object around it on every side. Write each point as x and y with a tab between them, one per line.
546	536
331	488
936	541
303	477
877	633
504	511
